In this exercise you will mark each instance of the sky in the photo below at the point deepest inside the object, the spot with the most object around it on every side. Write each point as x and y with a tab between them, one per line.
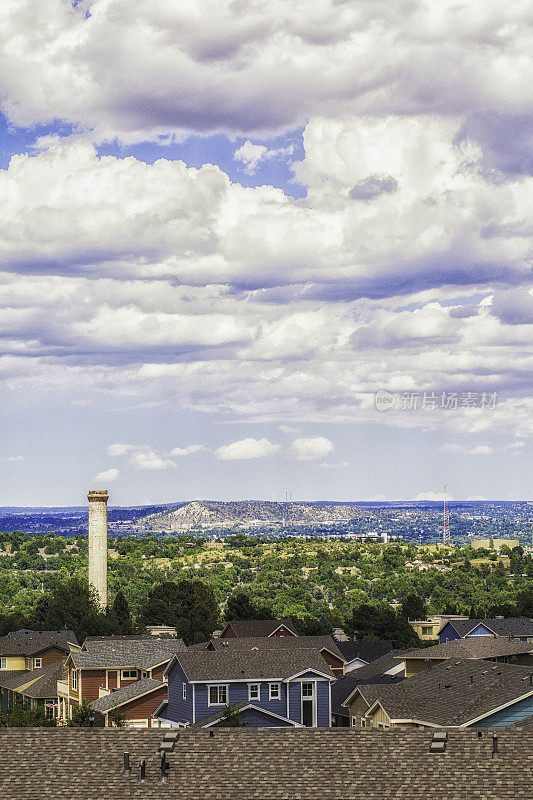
258	247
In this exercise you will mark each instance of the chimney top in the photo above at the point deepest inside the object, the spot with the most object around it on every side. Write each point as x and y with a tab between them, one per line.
98	494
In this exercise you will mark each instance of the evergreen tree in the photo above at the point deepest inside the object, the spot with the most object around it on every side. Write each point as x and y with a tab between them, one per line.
189	606
73	605
122	613
413	607
240	607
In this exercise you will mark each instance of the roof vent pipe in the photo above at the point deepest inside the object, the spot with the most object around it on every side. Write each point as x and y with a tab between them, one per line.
127	765
142	772
165	767
494	746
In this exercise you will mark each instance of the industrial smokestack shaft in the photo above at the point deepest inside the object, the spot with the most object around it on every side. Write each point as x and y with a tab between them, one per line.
98	543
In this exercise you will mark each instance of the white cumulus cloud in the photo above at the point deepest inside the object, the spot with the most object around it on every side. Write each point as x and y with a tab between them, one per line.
246	449
311	449
108	475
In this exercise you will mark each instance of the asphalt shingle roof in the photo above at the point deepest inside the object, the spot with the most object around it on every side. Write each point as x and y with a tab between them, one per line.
264	764
452	693
126	694
473	647
26	643
220	665
122	652
260	627
272	643
43	682
367	650
513	626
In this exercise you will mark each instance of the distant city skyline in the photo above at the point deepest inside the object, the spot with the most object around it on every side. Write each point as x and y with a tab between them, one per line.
256	248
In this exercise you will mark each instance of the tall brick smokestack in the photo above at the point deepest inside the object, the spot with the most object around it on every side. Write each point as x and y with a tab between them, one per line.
98	542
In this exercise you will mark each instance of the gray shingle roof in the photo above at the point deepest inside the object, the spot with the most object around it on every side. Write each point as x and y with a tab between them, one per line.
366	650
473	647
377	668
452	693
43	682
513	626
272	643
126	694
260	627
27	643
345	684
264	764
220	665
122	652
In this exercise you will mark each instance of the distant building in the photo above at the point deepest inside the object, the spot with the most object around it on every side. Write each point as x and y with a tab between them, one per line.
429	629
494	544
27	650
499	649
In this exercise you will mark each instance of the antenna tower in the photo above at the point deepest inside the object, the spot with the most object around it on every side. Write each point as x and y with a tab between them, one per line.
445	522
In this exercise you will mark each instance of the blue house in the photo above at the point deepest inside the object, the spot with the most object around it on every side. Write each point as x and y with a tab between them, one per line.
269	688
520	628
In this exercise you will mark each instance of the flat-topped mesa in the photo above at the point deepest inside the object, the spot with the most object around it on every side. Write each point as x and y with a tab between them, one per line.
98	543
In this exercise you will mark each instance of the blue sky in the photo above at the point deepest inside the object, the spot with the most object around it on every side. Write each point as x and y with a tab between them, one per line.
226	227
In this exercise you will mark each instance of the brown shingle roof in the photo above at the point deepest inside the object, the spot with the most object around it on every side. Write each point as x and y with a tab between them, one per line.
474	647
122	652
512	626
452	693
259	627
264	764
248	665
126	694
272	643
27	643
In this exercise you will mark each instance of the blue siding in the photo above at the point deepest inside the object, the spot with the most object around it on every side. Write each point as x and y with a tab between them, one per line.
480	630
295	701
179	710
255	719
448	633
323	711
515	713
237	693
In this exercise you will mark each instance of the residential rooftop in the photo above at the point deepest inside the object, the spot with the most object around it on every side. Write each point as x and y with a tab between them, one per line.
218	665
512	626
260	627
122	652
264	764
25	642
272	643
473	647
126	694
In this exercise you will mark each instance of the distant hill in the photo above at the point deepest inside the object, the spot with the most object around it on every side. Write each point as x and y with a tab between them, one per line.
249	514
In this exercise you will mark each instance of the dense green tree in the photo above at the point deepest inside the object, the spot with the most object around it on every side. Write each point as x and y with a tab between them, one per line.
122	613
231	719
413	607
311	626
82	716
190	606
12	622
381	622
22	716
73	605
240	607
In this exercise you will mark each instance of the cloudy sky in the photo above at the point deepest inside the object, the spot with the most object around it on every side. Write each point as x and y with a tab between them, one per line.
250	247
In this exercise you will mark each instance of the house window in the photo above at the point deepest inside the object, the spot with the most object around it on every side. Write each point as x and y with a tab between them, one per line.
3	663
184	691
129	673
274	691
28	663
308	690
354	721
37	663
427	630
218	695
254	691
74	680
383	725
145	674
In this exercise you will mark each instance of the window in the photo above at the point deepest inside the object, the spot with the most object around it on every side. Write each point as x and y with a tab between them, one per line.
74	680
274	692
254	691
218	695
145	674
354	721
28	663
363	722
3	663
184	691
129	673
37	663
383	725
308	690
427	630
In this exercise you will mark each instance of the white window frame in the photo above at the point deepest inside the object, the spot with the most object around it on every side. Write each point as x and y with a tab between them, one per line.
218	687
308	696
183	691
251	695
277	687
37	663
354	722
3	662
125	677
363	722
74	679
